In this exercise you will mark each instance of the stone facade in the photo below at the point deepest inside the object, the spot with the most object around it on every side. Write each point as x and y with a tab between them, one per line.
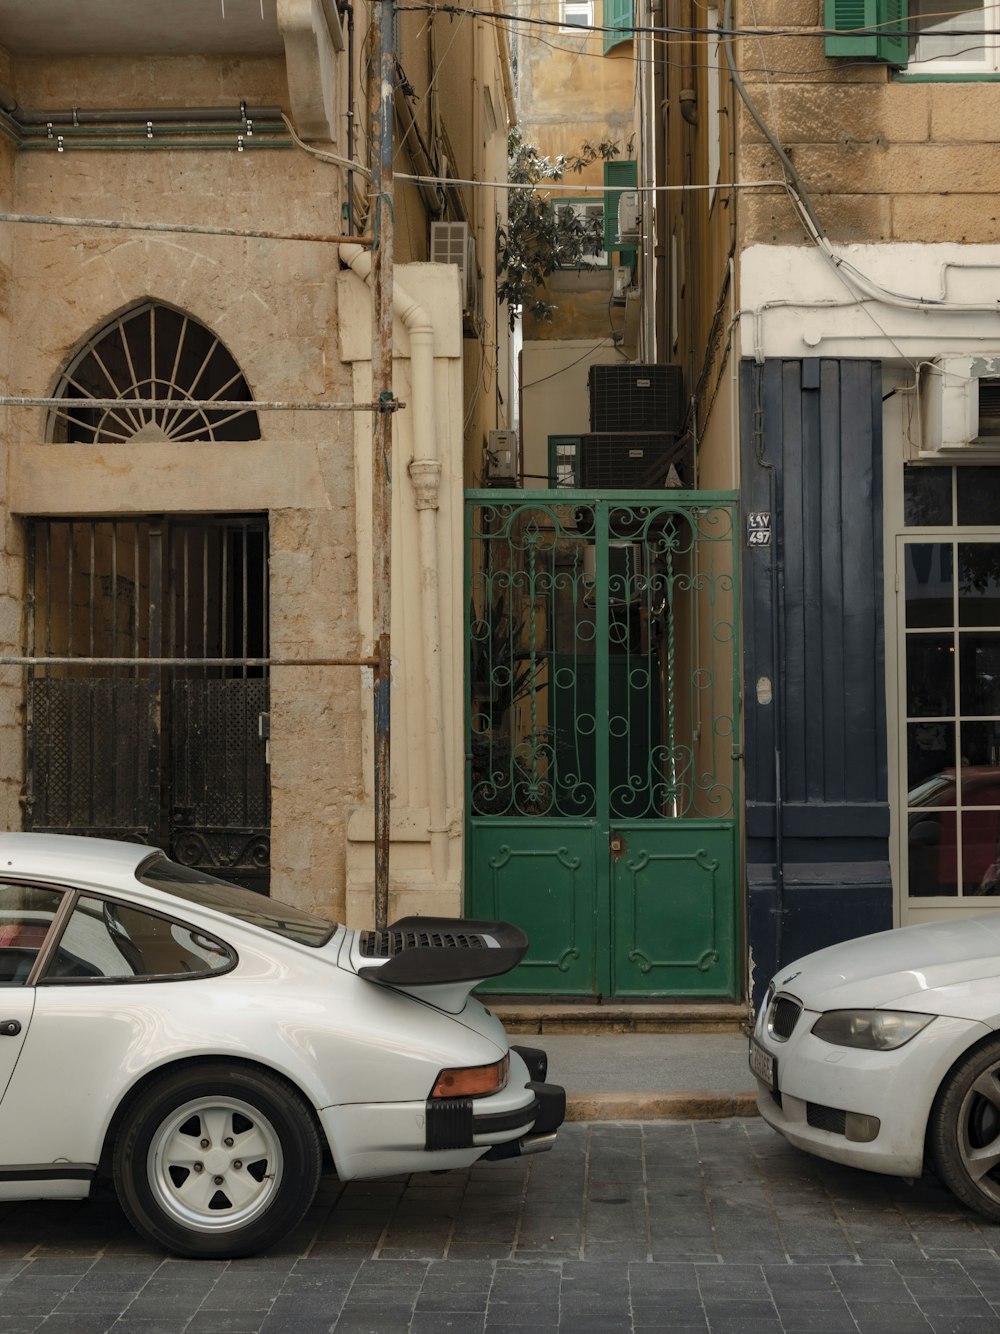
276	304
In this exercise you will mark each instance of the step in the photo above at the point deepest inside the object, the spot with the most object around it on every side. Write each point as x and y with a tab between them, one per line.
534	1016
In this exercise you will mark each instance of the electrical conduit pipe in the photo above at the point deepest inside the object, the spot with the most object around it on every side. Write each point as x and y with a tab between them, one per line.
425	475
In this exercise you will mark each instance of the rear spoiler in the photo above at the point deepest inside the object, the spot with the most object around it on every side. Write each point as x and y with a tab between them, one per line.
426	951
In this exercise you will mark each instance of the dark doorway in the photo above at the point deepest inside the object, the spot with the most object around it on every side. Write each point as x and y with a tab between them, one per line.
173	755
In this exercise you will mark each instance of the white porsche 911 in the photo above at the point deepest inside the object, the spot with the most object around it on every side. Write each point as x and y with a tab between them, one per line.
202	1046
884	1053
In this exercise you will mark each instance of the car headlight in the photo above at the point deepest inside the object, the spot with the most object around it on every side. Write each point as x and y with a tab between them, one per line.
873	1030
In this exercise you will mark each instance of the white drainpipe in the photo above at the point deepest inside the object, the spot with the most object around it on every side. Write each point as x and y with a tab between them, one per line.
425	475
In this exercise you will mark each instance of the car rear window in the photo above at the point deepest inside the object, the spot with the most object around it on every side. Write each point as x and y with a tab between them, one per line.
196	887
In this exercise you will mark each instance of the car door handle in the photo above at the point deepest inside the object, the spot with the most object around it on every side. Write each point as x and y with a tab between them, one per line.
9	1028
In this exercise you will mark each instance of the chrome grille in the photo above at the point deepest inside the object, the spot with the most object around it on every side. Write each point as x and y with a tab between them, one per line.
782	1017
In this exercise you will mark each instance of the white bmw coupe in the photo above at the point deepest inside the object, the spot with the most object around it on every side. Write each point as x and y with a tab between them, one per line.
884	1053
204	1047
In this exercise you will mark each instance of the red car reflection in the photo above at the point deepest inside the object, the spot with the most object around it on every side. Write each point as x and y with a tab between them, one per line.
933	832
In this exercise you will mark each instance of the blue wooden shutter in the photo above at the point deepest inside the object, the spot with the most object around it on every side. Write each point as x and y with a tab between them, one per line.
868	28
617	15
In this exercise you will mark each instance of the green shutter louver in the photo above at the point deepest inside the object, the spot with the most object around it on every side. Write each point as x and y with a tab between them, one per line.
867	28
617	16
618	176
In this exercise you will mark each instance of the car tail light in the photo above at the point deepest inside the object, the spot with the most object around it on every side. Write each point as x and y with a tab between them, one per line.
472	1081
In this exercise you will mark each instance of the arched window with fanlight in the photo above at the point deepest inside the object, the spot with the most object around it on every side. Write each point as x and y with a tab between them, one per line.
151	351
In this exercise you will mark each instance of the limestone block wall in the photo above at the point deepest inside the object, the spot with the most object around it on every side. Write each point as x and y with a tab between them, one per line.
884	158
274	305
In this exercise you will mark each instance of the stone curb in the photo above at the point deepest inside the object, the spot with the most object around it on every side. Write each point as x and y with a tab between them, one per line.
692	1105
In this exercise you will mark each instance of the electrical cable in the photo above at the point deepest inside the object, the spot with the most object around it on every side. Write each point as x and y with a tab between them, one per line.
802	202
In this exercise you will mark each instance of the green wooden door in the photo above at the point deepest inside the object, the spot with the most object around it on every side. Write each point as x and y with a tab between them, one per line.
602	724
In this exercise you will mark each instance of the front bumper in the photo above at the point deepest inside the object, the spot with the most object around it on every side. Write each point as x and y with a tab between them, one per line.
386	1138
819	1084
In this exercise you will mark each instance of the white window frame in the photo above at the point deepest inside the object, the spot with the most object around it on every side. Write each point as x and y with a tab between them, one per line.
580	209
979	57
576	13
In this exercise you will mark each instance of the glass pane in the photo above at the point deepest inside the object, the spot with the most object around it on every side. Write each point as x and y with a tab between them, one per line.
928	584
979	673
927	497
978	495
930	749
979	583
980	745
941	25
979	851
932	854
26	914
104	939
930	676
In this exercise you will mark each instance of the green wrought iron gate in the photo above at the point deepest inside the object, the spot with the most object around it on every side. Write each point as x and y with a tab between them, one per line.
602	757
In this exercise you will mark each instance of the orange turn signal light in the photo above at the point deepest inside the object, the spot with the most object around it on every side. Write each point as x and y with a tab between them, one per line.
472	1081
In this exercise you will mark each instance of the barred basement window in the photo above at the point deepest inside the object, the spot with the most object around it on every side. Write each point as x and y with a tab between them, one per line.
151	351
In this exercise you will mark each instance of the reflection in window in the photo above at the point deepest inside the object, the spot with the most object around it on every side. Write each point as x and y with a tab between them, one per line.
927	497
978	495
104	939
929	584
979	674
953	739
26	913
930	749
930	676
979	583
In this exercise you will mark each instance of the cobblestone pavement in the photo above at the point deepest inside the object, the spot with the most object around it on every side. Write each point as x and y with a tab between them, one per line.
629	1227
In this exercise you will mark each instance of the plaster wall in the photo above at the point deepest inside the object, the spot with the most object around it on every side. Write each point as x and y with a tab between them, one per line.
555	399
794	302
413	885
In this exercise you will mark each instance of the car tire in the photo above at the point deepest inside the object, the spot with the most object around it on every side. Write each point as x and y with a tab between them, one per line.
217	1161
964	1132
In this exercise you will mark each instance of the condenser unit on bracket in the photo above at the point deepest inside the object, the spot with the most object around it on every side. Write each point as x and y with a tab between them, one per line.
628	217
959	401
641	461
503	459
453	243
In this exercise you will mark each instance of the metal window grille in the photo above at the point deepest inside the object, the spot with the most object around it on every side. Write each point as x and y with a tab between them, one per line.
151	351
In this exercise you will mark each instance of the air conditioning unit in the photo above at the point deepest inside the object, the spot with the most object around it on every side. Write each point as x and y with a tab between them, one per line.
640	461
628	217
636	397
960	408
621	282
453	243
502	459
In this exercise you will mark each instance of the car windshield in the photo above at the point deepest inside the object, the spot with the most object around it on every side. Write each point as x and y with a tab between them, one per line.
196	887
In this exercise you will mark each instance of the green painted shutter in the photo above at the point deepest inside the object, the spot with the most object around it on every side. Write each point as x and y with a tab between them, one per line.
618	176
617	15
882	18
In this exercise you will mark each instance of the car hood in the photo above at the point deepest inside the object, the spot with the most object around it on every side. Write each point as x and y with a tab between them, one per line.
915	964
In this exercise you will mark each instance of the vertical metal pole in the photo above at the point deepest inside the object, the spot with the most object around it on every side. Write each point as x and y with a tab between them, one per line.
382	231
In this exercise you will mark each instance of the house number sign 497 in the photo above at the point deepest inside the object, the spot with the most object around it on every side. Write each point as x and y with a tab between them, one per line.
758	529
